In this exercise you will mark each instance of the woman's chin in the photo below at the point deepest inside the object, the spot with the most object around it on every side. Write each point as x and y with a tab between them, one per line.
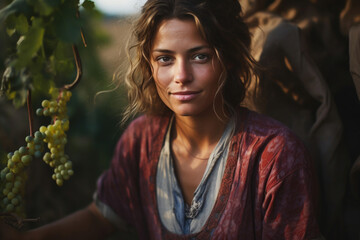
190	113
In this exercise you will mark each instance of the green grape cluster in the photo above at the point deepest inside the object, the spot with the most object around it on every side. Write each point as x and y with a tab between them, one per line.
56	136
13	176
12	191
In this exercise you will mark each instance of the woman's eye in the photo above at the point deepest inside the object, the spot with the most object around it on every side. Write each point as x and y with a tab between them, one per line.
201	57
163	59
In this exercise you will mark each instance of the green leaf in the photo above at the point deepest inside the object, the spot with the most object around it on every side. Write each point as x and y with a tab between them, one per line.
42	84
40	78
10	32
17	23
29	45
17	6
88	5
44	7
61	57
21	24
63	51
37	65
20	98
15	85
8	76
10	21
67	25
11	95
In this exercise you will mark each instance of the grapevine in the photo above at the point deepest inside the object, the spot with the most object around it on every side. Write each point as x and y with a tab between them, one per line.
52	138
22	68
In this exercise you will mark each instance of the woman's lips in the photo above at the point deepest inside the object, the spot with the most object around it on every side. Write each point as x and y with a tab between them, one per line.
185	96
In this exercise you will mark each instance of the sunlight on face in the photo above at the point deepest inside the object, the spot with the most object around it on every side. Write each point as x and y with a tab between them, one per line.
185	69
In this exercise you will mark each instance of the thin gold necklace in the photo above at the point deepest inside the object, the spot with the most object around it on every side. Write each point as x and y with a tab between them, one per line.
191	154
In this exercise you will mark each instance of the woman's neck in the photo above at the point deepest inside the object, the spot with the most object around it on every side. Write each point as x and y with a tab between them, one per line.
198	135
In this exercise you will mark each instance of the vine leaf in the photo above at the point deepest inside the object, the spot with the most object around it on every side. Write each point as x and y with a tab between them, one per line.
17	23
44	7
45	31
29	44
14	85
88	5
67	25
17	6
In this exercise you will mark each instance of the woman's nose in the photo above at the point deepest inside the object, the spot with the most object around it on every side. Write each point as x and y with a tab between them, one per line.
182	72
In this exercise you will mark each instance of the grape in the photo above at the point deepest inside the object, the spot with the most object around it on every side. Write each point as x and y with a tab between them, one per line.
46	112
38	135
6	191
10	195
59	182
9	207
45	103
39	111
15	158
68	165
22	150
5	201
17	184
9	176
29	139
37	154
10	155
26	159
8	185
42	129
47	158
15	201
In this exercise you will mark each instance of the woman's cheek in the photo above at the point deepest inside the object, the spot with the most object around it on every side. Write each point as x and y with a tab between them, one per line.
162	91
163	76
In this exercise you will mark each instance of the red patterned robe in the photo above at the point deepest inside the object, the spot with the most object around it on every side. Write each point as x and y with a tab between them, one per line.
267	191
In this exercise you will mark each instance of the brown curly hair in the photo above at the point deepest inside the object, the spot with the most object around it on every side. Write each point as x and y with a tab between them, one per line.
220	23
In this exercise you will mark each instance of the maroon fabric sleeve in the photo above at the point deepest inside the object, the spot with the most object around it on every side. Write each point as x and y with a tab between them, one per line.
288	206
118	187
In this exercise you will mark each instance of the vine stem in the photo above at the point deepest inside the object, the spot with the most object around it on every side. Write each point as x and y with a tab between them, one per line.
29	109
16	221
78	69
83	38
77	60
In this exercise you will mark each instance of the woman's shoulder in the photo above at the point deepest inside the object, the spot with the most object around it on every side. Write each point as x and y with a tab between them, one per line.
146	124
262	126
144	128
275	143
139	133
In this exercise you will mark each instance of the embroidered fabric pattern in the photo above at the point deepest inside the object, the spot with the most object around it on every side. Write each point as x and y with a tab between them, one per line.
193	210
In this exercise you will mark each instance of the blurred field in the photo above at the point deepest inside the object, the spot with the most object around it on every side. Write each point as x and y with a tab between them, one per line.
113	55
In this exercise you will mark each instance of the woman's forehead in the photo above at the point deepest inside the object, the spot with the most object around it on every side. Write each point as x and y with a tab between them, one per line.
173	32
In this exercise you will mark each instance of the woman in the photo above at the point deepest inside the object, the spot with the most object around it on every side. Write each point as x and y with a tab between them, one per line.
196	165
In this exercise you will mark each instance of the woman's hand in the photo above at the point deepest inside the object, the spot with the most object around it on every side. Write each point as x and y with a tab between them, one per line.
87	223
7	232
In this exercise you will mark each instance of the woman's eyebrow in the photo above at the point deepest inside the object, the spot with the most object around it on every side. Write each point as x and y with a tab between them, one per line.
191	50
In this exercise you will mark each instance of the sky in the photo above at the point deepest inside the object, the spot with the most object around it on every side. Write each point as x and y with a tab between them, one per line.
119	7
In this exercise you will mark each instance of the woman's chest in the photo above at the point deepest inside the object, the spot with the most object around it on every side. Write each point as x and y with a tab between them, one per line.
189	174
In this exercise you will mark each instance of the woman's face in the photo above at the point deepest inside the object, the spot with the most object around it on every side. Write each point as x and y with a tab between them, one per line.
185	69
